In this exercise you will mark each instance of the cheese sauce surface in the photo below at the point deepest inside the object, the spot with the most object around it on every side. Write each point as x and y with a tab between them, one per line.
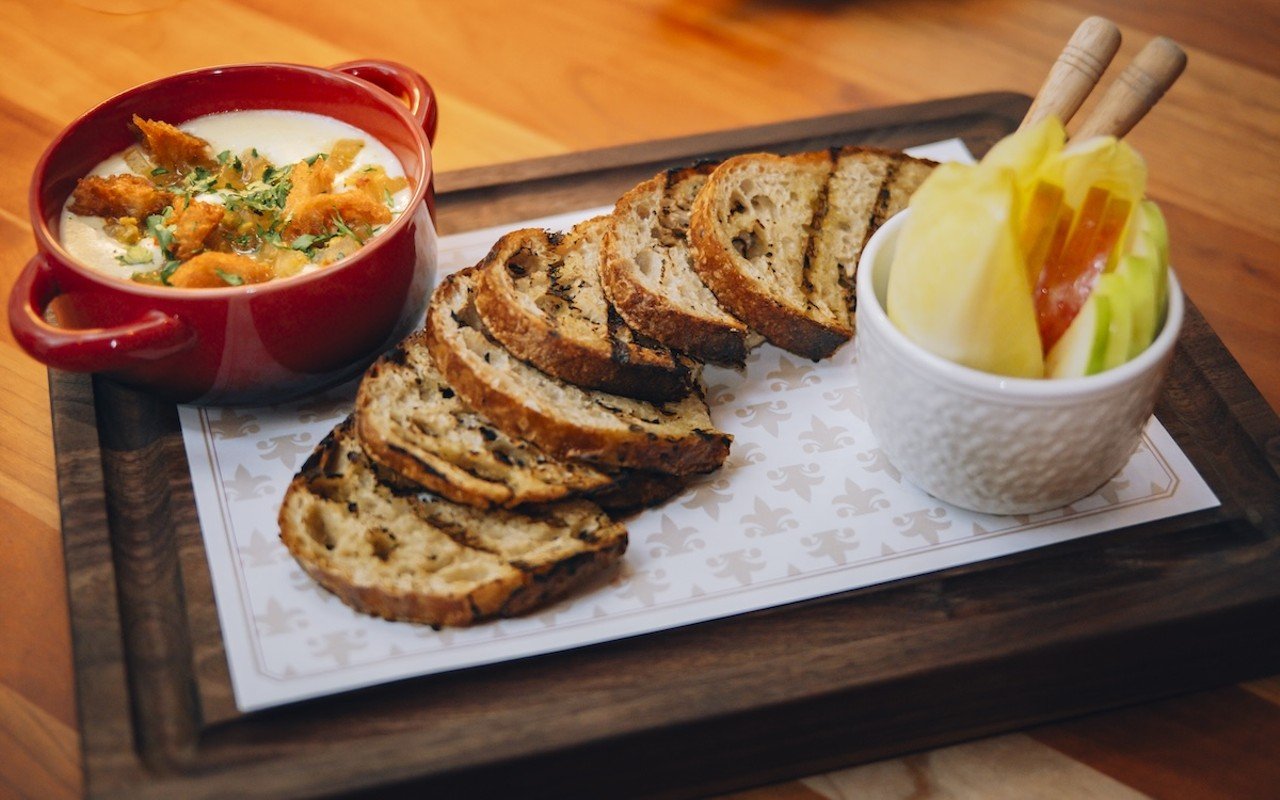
263	152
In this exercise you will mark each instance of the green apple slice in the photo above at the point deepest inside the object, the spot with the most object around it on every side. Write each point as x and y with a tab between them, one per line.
1120	327
1149	238
1139	274
1083	348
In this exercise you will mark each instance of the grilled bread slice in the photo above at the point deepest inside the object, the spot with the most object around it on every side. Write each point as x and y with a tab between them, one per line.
421	558
777	238
676	438
539	294
648	274
411	423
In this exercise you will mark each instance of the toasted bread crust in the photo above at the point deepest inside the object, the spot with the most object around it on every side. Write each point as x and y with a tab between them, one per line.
338	479
786	326
405	376
719	339
610	365
804	326
677	453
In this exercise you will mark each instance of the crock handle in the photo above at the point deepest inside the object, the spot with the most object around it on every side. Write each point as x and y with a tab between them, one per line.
402	82
151	336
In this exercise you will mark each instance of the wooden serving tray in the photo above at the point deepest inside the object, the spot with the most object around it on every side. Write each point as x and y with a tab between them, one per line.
1093	623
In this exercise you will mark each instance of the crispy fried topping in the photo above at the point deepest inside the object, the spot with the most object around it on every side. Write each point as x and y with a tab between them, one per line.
308	181
193	222
117	196
214	270
321	212
174	149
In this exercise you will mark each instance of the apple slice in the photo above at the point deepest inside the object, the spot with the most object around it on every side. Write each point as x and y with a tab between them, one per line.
958	285
1082	349
1139	275
1115	289
1149	238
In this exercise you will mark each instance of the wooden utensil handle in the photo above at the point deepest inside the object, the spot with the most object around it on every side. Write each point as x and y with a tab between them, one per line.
1076	72
1138	88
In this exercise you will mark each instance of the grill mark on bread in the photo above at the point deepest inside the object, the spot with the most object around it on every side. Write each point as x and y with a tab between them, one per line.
619	349
567	421
416	557
775	235
815	229
558	319
414	425
648	274
882	200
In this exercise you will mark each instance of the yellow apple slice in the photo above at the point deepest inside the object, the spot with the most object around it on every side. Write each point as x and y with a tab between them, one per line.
958	285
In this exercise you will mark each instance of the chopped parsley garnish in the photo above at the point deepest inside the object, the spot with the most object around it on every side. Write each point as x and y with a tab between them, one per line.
230	278
311	162
198	181
308	243
271	236
159	171
262	197
160	230
166	272
224	157
340	225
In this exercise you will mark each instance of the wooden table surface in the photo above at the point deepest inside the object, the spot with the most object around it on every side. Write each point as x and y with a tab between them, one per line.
518	80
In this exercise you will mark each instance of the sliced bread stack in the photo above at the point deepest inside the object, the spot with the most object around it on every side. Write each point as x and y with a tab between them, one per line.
540	296
421	508
559	379
777	238
420	558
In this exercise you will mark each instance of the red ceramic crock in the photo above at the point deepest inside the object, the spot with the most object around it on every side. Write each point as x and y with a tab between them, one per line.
244	344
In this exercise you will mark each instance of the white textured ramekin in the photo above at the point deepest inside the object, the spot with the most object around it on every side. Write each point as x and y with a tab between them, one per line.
990	443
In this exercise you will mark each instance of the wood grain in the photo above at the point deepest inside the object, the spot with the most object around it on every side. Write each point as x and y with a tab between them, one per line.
1212	145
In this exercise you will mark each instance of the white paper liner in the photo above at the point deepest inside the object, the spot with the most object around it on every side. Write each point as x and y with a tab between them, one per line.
806	506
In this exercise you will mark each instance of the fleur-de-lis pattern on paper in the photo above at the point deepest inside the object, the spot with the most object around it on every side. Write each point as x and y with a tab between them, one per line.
719	394
926	523
244	485
708	495
743	454
643	586
738	565
856	500
792	375
261	551
845	400
277	619
766	521
806	503
766	416
823	437
835	544
876	461
339	646
290	449
672	539
228	423
797	478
